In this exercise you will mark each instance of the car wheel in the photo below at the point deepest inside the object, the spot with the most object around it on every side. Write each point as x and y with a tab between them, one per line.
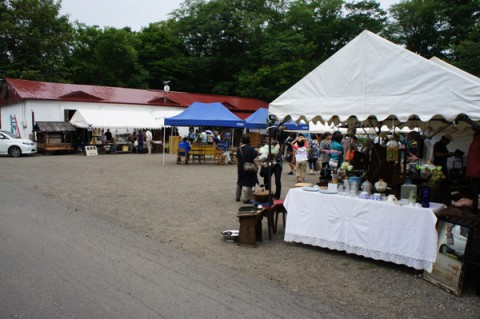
14	151
443	249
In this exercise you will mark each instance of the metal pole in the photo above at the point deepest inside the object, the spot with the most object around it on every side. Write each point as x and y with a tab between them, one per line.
269	182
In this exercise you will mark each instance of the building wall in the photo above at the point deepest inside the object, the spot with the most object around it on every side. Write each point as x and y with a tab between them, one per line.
55	111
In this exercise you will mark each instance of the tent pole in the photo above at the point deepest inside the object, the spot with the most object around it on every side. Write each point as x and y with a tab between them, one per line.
163	144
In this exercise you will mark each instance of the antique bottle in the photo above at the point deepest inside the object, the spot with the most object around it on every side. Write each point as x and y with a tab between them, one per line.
426	196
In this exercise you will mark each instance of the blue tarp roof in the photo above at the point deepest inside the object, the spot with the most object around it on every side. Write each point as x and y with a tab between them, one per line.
206	114
258	120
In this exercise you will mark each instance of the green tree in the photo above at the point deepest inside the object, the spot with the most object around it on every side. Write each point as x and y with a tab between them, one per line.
225	33
106	57
34	40
467	53
363	15
462	18
420	26
164	55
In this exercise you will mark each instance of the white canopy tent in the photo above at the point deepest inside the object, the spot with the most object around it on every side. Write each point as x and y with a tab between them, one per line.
373	78
115	119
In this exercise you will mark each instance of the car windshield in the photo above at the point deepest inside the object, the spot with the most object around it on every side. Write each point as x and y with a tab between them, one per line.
11	135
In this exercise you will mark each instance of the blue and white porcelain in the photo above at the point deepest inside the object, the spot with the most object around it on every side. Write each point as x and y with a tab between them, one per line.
364	195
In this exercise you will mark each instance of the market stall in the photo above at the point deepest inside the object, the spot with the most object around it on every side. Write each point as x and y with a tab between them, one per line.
403	235
206	115
96	122
369	83
54	136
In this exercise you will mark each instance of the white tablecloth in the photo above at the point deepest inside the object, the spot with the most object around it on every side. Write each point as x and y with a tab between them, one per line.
379	230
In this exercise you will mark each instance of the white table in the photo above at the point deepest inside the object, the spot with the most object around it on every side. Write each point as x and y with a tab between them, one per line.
379	230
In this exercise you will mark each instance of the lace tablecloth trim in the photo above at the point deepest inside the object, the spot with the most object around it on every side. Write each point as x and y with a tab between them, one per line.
378	255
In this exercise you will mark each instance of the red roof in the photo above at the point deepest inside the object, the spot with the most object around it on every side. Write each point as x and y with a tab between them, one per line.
34	90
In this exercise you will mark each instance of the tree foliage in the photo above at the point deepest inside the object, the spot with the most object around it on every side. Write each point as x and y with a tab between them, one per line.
34	40
106	57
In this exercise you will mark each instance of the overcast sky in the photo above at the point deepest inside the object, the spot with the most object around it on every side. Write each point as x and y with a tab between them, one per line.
132	13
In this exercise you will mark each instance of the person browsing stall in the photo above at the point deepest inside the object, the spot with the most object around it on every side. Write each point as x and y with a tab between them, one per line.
325	154
336	151
140	139
290	156
246	181
275	167
301	158
313	154
149	138
222	146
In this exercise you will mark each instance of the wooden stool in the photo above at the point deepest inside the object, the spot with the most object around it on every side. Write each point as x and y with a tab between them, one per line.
250	228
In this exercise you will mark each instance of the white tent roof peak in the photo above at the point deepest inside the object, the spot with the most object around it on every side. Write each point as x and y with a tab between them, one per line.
371	76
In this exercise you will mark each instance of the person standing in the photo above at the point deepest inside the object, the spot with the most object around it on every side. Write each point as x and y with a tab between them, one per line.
246	181
313	154
441	153
325	154
301	158
275	167
133	139
223	147
336	151
290	156
140	139
149	138
108	136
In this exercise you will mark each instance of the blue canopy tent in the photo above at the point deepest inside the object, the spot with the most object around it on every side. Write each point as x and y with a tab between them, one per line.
205	114
258	120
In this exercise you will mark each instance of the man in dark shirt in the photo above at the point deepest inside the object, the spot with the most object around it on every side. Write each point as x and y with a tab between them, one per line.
441	153
108	136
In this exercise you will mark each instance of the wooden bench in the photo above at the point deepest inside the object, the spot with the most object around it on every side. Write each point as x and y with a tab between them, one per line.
200	151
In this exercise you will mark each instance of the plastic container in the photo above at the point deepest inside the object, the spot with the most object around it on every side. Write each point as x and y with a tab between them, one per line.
406	189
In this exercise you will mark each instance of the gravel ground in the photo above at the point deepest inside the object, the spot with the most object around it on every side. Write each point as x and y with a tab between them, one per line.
188	207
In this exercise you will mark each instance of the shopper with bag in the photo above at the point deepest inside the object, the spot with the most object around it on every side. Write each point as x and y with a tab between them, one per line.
325	155
290	156
247	168
336	151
